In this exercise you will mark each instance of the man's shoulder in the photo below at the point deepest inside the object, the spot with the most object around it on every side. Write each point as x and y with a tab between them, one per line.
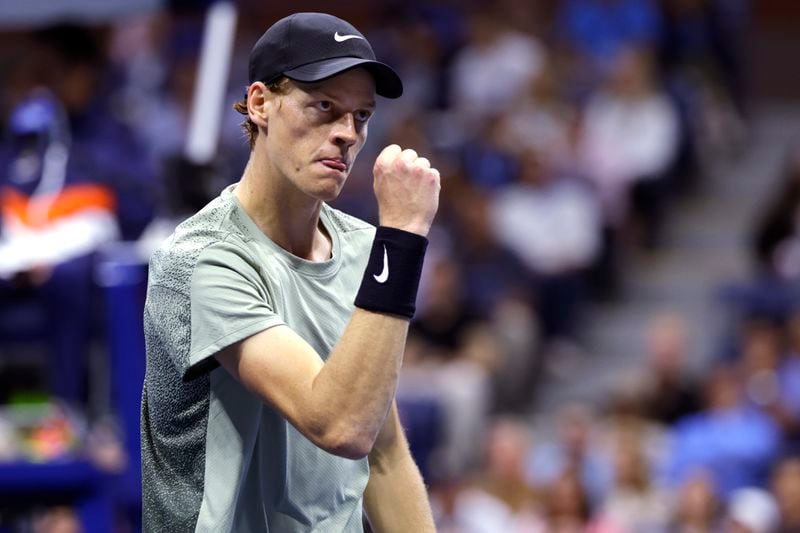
174	261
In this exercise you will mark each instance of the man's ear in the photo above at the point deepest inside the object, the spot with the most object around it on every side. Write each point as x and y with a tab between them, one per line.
258	103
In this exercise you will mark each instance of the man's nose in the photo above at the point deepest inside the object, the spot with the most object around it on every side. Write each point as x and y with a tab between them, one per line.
344	131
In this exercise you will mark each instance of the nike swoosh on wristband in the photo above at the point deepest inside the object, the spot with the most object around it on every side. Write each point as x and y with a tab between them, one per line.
384	275
343	38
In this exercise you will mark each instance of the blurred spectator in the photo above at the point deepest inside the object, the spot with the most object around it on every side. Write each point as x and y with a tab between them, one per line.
421	410
786	489
697	509
455	356
728	432
599	29
594	32
567	508
500	499
626	426
442	320
491	271
630	138
542	117
60	519
488	161
752	510
493	68
577	450
516	328
135	46
762	351
163	118
670	393
553	225
460	388
503	477
633	503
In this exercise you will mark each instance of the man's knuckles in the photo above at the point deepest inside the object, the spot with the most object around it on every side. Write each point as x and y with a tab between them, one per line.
387	155
390	152
404	163
409	155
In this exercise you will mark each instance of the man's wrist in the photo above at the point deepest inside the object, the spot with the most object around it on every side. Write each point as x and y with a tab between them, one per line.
391	279
420	229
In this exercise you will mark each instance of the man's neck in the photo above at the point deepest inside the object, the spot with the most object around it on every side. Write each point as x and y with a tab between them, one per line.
286	215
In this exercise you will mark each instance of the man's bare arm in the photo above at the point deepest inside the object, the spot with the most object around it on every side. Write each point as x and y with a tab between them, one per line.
396	499
339	405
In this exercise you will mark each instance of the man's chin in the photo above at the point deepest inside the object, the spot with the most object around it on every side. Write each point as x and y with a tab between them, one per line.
330	186
328	194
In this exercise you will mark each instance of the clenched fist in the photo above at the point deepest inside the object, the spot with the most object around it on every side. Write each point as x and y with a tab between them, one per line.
407	189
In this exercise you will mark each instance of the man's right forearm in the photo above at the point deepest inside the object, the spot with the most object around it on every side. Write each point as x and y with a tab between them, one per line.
353	391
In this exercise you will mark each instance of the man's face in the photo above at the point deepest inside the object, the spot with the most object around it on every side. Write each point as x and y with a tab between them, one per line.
315	131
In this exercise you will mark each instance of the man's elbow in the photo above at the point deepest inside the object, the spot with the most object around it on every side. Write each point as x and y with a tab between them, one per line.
350	443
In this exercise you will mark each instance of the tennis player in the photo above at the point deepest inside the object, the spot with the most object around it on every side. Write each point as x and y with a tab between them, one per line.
275	324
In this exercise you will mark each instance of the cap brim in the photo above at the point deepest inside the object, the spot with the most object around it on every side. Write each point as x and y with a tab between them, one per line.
387	82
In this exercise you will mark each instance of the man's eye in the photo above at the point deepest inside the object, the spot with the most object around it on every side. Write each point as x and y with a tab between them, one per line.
324	105
362	116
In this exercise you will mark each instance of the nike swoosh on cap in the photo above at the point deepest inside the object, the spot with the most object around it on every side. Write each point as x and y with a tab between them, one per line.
384	275
343	38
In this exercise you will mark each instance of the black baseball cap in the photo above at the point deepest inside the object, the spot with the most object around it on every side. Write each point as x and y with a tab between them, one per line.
311	47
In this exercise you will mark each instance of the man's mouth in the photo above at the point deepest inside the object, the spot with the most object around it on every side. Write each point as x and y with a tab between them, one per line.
336	164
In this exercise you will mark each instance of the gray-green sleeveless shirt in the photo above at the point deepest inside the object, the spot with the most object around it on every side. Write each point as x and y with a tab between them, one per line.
214	456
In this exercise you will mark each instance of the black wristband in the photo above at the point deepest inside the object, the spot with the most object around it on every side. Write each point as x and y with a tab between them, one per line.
391	278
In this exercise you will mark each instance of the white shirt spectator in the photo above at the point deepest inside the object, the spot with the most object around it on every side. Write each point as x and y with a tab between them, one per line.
552	227
486	78
626	139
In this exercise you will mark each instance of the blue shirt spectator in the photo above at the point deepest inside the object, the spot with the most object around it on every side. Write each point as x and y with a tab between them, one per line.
733	441
599	29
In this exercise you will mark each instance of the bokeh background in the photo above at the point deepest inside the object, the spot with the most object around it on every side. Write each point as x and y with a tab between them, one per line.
608	329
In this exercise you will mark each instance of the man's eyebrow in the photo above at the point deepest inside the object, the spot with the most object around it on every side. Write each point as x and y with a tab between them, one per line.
309	85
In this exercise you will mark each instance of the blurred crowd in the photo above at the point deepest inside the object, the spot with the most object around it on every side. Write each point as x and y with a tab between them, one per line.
668	451
565	133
